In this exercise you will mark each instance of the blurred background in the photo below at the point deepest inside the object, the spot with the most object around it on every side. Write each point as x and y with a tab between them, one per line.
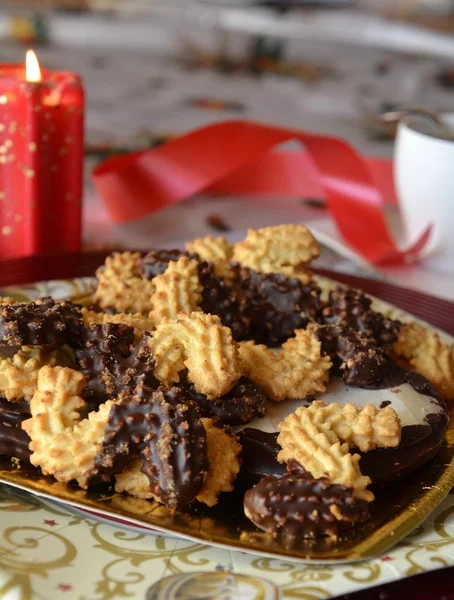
155	69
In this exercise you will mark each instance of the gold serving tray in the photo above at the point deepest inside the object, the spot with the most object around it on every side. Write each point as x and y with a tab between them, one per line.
398	509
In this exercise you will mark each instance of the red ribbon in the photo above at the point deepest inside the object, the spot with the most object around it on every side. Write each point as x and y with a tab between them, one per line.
239	157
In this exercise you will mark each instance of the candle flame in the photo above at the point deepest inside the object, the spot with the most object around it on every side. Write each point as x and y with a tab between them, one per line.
32	70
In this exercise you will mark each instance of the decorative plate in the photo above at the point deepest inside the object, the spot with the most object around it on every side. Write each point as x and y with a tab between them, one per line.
398	509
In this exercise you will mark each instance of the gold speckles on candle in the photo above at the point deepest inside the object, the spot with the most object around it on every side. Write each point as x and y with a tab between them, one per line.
6	230
69	196
29	173
54	168
12	127
18	218
68	139
2	195
32	147
63	151
8	143
52	216
45	137
48	115
3	99
38	108
2	127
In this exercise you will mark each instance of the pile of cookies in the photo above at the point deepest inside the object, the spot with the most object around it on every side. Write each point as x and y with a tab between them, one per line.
179	350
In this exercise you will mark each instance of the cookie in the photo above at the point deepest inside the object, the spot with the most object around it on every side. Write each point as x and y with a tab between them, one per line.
352	308
163	428
222	450
427	355
199	344
138	322
270	249
320	452
300	506
363	428
176	290
62	443
215	250
40	323
296	371
244	402
19	374
121	285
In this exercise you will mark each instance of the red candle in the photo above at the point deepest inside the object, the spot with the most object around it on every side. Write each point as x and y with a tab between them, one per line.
41	150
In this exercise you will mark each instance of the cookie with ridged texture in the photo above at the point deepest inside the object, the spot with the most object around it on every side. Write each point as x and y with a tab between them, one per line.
176	290
297	371
39	323
428	356
163	428
351	307
223	458
321	453
364	428
224	463
62	443
104	346
359	360
301	506
216	250
122	286
202	346
270	249
244	402
19	374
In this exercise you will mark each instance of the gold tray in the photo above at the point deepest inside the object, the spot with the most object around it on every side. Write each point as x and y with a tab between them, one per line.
398	509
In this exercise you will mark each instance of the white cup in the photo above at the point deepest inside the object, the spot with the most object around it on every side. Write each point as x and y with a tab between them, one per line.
424	181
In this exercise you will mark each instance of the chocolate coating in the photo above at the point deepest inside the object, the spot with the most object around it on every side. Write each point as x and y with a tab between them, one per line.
111	363
162	427
350	307
300	506
264	307
44	322
156	262
245	401
14	440
358	359
104	345
259	454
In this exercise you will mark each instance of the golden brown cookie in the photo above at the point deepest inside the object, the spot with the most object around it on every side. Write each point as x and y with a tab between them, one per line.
279	249
177	290
223	458
296	371
136	320
427	355
62	444
134	482
200	344
121	285
19	374
363	428
216	250
320	452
